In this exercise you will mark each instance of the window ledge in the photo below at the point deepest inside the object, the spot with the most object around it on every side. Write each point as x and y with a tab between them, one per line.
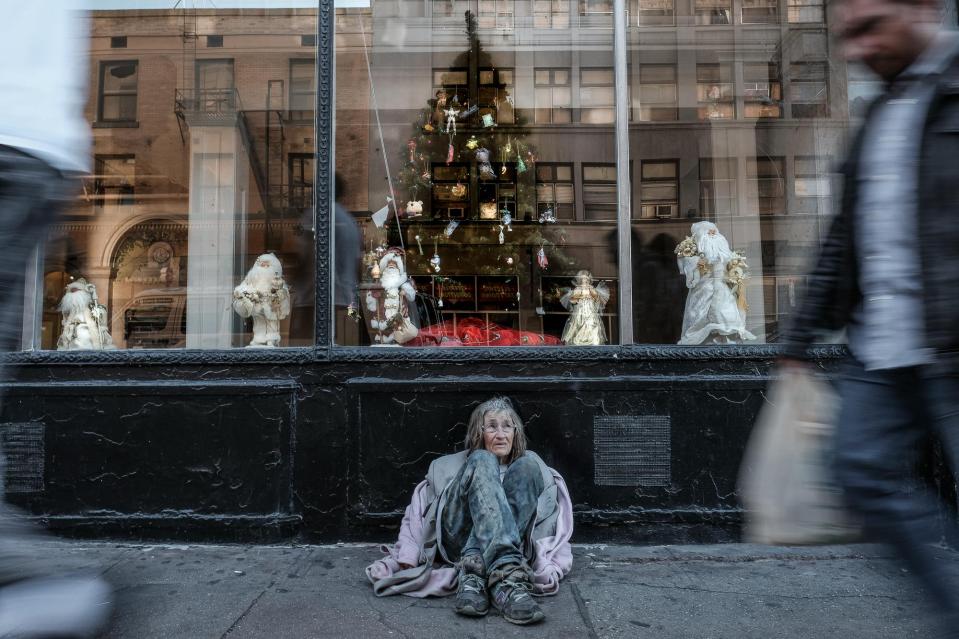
119	124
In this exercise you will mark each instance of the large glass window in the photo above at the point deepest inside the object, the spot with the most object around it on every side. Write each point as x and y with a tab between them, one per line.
480	172
195	226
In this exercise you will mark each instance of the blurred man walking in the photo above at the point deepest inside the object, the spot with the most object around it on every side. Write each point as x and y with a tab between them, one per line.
887	273
44	147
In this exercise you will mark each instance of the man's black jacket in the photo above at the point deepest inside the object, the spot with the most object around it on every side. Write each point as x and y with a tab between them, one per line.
833	293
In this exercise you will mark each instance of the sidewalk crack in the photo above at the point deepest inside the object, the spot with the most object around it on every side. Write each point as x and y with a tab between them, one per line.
247	611
583	610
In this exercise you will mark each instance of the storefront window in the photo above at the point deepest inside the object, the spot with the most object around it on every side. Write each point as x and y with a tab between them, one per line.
477	178
198	170
734	200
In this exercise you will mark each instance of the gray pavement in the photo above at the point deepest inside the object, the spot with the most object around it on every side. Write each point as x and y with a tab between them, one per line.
697	592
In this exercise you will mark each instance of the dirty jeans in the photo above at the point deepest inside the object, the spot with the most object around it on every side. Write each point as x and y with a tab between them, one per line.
484	516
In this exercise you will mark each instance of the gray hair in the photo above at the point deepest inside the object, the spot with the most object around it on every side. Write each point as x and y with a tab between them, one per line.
474	429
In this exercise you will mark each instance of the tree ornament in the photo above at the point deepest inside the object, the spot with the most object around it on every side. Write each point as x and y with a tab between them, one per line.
451	227
509	260
441	98
520	165
419	243
487	210
541	258
375	272
485	168
411	145
451	114
488	121
472	143
458	190
449	152
507	219
547	216
435	262
502	238
414	208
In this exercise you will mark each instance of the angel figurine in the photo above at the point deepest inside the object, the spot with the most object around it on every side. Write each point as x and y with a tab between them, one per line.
585	303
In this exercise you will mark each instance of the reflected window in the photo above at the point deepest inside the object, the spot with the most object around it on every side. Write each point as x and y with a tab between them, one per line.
714	89
809	90
599	191
813	185
654	12
551	14
553	97
554	191
597	96
657	94
713	11
800	11
302	87
215	86
762	90
596	7
717	187
118	91
660	189
495	96
495	14
113	181
760	11
766	185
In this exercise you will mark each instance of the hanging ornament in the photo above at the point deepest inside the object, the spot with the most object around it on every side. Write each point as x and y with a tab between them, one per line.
419	243
458	190
520	165
502	238
472	143
352	312
488	121
541	258
411	145
428	127
426	176
451	114
507	219
451	227
510	260
547	216
414	208
485	168
441	98
375	272
449	152
487	210
435	262
468	112
509	146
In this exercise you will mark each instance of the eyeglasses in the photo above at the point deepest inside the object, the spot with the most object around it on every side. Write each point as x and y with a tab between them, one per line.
506	429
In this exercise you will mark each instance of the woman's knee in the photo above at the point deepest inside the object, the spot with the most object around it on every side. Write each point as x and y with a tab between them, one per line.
525	470
482	457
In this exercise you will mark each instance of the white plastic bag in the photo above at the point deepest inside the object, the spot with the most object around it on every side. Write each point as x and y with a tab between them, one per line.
786	482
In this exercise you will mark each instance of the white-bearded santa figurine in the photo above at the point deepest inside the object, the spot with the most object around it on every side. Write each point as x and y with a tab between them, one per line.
265	297
715	275
84	319
389	304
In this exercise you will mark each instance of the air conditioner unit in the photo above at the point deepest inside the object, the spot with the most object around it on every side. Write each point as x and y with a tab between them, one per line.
666	210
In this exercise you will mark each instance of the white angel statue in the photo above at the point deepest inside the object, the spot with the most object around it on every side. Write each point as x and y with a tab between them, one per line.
585	303
716	304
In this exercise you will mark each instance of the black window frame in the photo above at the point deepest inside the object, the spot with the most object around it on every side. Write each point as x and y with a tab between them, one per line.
102	94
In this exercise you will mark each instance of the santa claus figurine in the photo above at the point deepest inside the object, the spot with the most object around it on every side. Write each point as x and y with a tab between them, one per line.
84	323
264	296
389	303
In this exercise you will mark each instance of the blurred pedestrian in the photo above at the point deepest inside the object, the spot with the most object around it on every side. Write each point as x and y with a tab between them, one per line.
887	273
44	148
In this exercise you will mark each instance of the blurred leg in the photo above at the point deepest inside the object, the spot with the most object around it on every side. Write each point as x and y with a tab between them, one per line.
882	419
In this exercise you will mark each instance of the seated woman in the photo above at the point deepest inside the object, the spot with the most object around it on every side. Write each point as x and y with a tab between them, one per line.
492	521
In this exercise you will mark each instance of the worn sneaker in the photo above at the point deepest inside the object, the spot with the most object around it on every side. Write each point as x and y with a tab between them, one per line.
471	597
513	596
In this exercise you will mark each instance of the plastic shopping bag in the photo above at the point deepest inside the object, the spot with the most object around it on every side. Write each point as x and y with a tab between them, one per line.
786	481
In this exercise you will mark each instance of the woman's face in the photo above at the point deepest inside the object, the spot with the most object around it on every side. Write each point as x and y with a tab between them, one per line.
498	434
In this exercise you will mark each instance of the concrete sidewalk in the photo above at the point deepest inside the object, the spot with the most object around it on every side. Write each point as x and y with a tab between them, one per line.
689	592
